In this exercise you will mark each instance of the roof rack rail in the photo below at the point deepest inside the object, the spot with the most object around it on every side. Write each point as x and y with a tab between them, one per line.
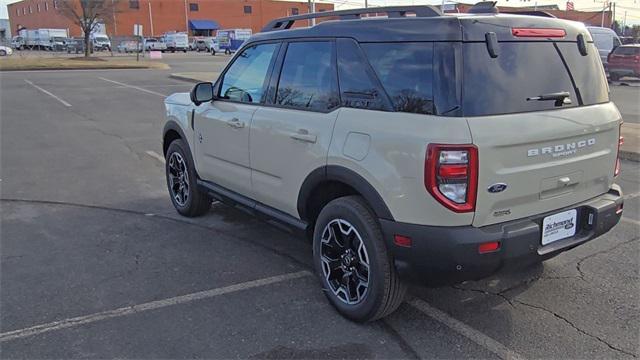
484	7
530	13
286	23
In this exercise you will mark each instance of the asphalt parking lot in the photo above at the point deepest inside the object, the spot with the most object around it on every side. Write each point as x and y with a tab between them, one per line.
95	263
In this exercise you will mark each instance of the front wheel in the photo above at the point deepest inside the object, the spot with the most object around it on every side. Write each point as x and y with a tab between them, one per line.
614	76
357	274
188	199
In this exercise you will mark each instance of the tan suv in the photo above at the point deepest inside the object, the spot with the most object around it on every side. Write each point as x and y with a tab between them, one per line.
414	146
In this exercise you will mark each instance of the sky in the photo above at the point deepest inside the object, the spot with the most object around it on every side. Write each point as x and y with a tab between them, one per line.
632	7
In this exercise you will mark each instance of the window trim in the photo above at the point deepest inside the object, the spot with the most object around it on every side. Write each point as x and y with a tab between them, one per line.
217	87
194	7
247	7
277	73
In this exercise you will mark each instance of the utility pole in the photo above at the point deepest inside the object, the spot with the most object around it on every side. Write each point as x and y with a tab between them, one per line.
150	18
366	3
312	9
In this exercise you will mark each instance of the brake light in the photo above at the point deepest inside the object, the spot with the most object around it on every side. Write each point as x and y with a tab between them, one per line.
451	175
538	32
616	171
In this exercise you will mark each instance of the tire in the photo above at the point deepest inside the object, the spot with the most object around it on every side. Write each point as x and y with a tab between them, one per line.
196	202
213	53
614	76
3	53
227	52
383	291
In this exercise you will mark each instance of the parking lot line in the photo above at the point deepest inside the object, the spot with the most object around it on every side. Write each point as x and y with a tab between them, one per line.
133	87
465	330
158	304
156	156
48	93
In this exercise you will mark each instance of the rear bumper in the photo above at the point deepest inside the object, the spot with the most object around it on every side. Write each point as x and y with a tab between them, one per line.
446	255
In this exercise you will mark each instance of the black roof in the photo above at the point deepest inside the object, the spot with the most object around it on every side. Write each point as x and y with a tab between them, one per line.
431	27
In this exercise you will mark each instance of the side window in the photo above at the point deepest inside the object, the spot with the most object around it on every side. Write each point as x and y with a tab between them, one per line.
308	77
357	88
245	79
406	72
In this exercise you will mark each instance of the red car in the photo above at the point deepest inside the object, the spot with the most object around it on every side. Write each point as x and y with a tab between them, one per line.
624	61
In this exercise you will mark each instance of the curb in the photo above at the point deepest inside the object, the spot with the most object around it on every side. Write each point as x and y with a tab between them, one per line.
184	78
629	155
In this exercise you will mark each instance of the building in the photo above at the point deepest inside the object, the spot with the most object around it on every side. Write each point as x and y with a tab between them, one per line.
197	17
590	18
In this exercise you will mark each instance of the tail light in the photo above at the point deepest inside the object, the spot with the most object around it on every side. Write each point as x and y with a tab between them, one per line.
451	175
636	58
616	172
538	32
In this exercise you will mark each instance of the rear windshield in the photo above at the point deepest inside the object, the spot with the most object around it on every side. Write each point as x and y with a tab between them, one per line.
526	70
627	50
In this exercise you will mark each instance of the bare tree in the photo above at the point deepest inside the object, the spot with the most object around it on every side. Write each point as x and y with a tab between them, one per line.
88	14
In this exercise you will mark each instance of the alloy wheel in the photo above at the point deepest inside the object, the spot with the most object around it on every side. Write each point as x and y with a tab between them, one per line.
178	179
345	261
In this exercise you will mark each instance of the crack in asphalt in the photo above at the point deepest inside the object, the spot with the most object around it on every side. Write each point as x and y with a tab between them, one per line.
579	263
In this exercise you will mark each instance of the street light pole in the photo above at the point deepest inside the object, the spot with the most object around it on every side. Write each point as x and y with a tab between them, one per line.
366	3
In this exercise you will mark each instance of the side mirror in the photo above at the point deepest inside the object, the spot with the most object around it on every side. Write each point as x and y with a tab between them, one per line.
202	93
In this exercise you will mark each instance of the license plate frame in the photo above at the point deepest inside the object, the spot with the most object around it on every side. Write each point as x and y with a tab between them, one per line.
559	226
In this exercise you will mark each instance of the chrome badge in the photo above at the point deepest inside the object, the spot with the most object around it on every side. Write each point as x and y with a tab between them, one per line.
496	188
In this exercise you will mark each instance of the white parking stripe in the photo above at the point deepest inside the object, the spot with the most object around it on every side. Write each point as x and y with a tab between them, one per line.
631	196
465	330
48	93
134	309
155	155
133	87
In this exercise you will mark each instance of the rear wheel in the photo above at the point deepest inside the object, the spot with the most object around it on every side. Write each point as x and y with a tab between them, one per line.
188	199
351	259
614	76
3	53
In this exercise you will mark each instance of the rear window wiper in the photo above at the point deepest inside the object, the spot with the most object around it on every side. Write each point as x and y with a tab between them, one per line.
560	98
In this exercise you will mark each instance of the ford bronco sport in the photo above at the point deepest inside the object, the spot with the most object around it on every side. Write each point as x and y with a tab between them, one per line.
414	146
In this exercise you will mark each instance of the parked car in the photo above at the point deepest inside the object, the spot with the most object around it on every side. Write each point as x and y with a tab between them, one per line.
624	61
101	42
176	41
129	46
5	50
76	46
432	149
152	44
605	40
214	46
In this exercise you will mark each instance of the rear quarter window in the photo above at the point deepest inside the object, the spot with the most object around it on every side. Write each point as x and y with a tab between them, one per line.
406	73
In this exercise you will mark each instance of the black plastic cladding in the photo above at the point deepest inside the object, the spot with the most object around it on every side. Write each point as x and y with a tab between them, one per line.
459	27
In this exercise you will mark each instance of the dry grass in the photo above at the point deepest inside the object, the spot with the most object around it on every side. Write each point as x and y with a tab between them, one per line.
41	63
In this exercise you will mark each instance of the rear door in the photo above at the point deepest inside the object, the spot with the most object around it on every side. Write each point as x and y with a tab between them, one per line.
550	154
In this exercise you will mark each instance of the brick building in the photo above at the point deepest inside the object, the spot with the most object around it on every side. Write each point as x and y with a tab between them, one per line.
198	17
591	18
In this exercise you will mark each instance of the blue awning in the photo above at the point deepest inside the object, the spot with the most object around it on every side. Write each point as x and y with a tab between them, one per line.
203	25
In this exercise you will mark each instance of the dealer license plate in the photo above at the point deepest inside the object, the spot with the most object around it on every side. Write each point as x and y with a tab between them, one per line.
559	226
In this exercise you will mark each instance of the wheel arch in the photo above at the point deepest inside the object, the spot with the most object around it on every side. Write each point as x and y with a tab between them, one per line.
171	132
329	182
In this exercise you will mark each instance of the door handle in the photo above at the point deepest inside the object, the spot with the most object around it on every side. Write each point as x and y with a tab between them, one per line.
235	123
304	136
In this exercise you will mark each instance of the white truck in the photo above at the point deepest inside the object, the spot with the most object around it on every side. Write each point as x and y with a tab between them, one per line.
46	39
176	41
100	42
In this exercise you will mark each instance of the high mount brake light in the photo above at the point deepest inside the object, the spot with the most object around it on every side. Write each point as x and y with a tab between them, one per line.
538	32
451	175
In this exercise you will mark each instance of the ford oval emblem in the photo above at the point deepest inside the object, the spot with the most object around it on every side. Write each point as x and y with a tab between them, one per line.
496	188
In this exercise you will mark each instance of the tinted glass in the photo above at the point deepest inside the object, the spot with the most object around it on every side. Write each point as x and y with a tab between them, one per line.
502	85
245	80
357	88
446	78
587	72
627	50
308	77
529	69
406	72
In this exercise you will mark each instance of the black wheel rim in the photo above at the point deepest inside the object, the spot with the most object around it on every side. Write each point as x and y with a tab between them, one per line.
345	261
178	179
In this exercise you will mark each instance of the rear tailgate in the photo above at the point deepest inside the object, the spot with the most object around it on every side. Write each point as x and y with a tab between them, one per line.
540	116
548	160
